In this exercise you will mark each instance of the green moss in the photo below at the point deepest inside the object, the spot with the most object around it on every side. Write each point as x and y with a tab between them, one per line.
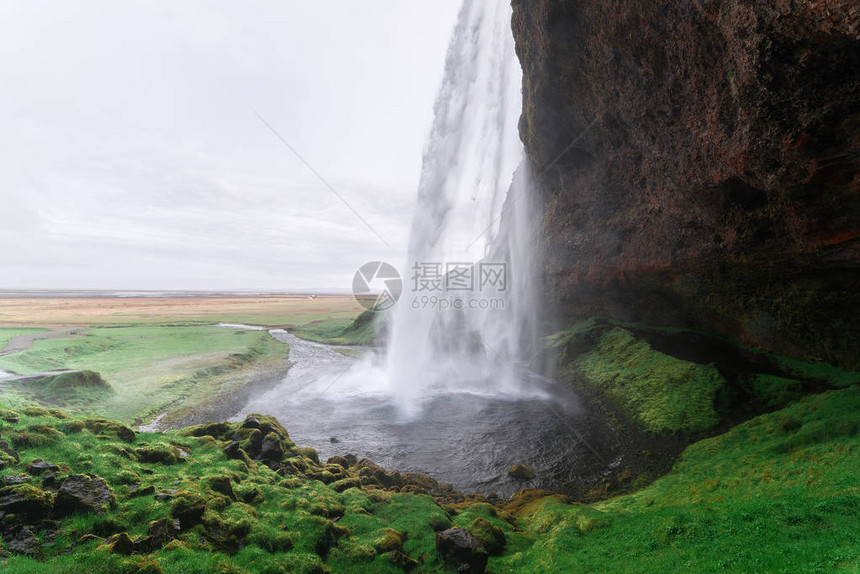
661	393
491	537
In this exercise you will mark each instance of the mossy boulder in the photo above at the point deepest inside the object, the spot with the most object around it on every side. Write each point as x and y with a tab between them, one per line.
491	537
26	501
83	493
119	544
222	485
188	508
388	540
217	431
310	453
158	454
521	472
110	428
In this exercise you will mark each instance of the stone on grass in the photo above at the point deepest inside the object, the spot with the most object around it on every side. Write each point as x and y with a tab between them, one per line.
83	493
462	550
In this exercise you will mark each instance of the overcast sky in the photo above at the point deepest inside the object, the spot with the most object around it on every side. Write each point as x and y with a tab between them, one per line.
132	157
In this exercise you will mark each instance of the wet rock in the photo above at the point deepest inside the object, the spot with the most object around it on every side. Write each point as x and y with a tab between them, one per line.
49	482
346	483
521	472
18	479
339	460
29	503
188	508
119	544
489	535
462	550
162	496
22	540
159	533
7	448
222	485
271	449
251	422
232	449
83	493
41	466
311	454
334	440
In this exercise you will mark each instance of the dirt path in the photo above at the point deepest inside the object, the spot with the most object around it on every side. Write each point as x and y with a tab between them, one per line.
24	342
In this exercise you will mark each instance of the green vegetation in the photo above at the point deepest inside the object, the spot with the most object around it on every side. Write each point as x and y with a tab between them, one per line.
777	493
661	393
361	331
74	389
150	369
614	363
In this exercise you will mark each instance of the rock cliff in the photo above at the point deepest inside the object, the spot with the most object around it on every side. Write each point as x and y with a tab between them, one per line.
698	164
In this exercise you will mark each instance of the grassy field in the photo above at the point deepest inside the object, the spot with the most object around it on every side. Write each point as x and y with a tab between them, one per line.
163	354
151	369
266	310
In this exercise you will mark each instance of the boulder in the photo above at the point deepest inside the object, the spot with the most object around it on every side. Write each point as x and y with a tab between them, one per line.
22	540
159	533
119	544
462	550
222	485
41	466
29	503
7	448
521	472
83	493
271	448
491	537
106	427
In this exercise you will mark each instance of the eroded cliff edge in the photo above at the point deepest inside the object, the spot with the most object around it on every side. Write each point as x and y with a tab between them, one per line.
698	165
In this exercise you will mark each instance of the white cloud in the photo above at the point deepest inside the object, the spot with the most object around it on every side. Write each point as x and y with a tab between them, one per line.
133	159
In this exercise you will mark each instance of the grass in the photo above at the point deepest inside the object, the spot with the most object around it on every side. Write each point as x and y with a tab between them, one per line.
778	493
252	519
153	368
359	331
661	393
771	495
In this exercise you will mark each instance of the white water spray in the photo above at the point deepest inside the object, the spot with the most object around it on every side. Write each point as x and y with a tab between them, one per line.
472	207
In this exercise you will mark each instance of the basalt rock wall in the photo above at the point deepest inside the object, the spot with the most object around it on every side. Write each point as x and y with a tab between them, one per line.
697	164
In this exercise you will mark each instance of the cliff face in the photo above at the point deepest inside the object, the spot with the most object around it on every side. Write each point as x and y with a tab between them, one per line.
698	164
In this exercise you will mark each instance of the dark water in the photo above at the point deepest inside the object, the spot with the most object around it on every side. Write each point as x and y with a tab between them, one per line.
463	438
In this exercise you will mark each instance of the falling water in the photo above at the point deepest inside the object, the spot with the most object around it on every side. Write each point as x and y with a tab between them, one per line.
473	207
454	396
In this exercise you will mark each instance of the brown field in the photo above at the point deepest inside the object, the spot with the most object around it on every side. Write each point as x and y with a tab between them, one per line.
264	310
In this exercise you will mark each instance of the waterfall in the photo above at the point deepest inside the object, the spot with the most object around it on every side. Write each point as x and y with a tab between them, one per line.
473	213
